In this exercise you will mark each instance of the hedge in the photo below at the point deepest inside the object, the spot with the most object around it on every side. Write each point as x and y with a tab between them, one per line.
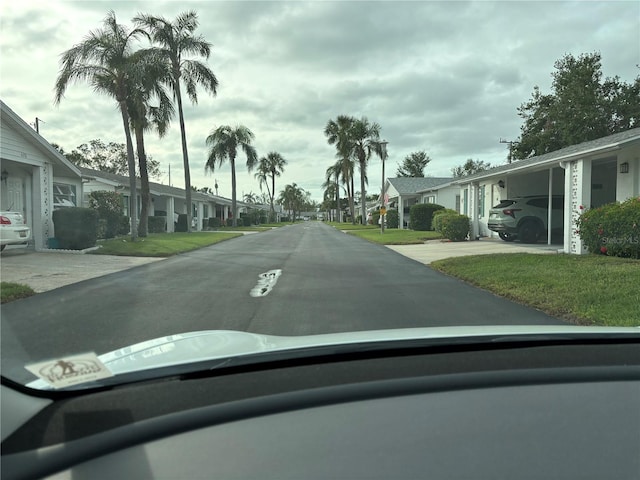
420	215
76	228
392	218
454	226
613	229
157	224
435	221
214	222
182	223
109	207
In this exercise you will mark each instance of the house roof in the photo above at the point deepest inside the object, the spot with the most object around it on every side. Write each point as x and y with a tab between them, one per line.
598	146
412	185
155	188
12	118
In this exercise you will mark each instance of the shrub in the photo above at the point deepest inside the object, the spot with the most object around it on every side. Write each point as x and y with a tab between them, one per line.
229	222
214	222
76	228
182	223
420	215
102	229
454	226
109	207
392	219
124	225
612	229
245	221
157	224
435	221
375	218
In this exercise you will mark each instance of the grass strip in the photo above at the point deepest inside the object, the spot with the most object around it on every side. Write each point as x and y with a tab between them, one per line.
13	291
161	244
583	289
395	236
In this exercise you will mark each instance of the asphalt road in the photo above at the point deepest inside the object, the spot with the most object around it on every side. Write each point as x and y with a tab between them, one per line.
319	280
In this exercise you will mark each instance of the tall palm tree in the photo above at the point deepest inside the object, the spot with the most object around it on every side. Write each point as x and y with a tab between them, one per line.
334	172
271	167
106	60
223	145
338	133
177	40
365	138
144	117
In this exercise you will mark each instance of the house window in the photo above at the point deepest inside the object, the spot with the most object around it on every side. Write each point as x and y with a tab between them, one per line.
205	211
430	199
64	195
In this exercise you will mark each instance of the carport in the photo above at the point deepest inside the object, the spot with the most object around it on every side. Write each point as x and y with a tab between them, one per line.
587	175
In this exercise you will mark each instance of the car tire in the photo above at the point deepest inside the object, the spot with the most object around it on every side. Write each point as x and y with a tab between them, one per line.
529	232
507	237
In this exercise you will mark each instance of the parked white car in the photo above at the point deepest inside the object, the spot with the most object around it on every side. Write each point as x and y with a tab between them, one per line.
13	230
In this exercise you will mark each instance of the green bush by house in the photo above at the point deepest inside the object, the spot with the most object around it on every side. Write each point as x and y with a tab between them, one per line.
214	222
435	221
392	219
612	229
454	226
76	228
182	223
420	215
157	224
109	206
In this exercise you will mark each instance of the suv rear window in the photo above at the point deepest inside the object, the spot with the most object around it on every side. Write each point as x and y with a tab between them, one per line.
505	203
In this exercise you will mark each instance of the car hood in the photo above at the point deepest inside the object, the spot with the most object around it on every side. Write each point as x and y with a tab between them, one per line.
229	347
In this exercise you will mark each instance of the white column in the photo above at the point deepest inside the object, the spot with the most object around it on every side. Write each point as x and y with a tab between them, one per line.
200	207
170	212
578	186
473	210
550	208
42	205
400	212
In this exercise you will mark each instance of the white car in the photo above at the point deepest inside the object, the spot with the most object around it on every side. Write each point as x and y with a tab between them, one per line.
13	230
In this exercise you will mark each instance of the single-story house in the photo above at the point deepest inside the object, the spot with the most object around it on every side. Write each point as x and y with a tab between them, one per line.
587	175
36	179
164	198
404	192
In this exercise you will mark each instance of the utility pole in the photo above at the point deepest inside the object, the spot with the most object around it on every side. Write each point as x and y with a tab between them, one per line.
216	185
37	124
170	175
511	144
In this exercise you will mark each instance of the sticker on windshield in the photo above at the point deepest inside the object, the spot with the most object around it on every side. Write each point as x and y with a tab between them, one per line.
68	371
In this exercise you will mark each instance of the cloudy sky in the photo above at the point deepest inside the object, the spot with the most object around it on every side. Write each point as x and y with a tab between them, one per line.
444	77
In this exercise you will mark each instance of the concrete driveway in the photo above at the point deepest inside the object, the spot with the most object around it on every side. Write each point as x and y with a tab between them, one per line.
433	250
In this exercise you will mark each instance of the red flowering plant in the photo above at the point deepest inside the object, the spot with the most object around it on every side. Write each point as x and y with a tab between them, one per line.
613	229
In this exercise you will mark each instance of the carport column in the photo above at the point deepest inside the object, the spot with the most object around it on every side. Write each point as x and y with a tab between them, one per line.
400	212
474	189
577	187
200	216
42	205
171	208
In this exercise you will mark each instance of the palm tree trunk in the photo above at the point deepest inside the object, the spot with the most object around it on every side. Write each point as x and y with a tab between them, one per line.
363	196
131	163
273	194
353	201
338	210
143	229
185	158
234	209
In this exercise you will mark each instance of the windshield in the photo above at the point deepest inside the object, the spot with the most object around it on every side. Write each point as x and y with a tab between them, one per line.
183	182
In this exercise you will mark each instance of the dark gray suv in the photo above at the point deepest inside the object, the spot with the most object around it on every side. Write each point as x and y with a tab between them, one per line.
525	218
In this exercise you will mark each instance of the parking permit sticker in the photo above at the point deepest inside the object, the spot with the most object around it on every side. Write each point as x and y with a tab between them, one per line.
68	371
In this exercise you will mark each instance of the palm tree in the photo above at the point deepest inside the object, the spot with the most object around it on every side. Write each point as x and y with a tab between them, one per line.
223	145
177	40
270	167
365	137
106	60
338	133
334	172
293	199
144	117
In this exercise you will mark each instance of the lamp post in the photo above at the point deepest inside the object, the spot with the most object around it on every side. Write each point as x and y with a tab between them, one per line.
383	156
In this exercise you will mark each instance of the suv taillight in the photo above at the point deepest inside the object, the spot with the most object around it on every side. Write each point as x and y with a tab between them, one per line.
4	220
511	211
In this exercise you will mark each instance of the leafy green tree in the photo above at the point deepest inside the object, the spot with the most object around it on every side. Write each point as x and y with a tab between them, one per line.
177	41
294	199
414	164
269	168
581	107
365	137
107	61
223	144
469	168
332	188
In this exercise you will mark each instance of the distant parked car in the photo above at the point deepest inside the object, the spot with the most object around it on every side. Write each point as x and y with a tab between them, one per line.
13	229
525	218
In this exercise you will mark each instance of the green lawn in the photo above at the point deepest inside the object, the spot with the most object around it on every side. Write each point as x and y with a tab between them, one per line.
584	289
161	244
395	236
14	291
350	226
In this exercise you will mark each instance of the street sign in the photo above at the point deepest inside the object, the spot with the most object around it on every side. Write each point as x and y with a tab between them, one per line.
383	211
